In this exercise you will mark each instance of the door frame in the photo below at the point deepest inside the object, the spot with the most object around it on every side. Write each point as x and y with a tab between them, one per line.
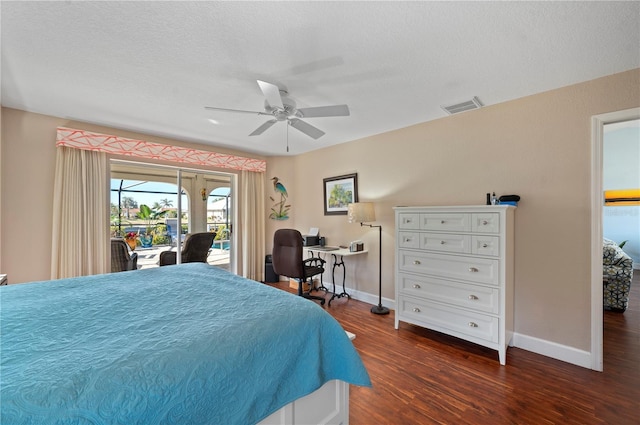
233	218
597	201
192	192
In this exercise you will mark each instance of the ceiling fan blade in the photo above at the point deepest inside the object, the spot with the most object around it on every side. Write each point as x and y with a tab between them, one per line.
307	129
271	93
263	127
213	108
325	111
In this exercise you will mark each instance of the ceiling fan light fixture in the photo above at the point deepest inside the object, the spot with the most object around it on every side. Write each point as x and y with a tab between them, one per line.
468	105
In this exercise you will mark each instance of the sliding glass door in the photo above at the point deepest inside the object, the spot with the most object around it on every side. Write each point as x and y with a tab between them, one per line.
154	207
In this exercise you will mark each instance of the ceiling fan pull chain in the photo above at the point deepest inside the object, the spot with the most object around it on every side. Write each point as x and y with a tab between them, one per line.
288	124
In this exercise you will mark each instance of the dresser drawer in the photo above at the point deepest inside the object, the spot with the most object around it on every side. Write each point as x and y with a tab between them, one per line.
446	242
409	221
470	269
479	298
485	223
408	240
457	321
485	245
446	222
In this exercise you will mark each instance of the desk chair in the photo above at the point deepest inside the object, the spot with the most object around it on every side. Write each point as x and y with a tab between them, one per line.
287	261
195	249
121	259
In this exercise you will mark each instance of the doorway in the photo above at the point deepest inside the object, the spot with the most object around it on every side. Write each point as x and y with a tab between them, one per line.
597	201
154	206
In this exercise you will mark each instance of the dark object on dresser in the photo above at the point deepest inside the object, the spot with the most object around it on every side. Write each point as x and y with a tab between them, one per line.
509	198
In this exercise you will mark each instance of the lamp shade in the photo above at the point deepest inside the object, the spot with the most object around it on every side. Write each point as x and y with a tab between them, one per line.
361	212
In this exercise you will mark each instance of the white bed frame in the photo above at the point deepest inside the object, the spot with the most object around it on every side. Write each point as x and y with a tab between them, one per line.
327	405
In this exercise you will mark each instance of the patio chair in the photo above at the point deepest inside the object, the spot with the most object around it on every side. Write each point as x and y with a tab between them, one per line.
121	259
195	250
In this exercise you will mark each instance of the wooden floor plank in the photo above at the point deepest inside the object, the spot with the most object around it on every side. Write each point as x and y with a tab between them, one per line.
424	377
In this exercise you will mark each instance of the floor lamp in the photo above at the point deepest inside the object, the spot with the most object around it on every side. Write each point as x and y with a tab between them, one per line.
360	212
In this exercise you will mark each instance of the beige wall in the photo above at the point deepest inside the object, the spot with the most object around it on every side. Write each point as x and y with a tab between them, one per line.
28	166
538	147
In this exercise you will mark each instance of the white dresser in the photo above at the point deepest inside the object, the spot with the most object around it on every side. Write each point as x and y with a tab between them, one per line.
454	272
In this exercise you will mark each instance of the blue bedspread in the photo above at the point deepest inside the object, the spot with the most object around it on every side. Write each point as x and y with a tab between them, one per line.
188	344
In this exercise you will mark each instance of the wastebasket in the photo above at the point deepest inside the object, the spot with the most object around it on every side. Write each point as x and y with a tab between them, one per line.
269	274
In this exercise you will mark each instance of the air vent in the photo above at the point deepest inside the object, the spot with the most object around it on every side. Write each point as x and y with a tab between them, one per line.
463	106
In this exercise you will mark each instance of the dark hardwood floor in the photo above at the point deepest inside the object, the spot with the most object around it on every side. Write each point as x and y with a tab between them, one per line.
424	377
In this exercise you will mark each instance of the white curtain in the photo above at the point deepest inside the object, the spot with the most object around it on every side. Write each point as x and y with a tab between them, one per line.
252	224
80	244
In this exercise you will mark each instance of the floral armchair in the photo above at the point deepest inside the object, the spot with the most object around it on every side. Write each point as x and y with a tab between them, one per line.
617	272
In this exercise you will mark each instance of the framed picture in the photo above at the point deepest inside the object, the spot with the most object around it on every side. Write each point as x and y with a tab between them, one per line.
339	192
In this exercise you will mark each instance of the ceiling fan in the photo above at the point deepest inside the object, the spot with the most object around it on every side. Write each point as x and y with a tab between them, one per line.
282	108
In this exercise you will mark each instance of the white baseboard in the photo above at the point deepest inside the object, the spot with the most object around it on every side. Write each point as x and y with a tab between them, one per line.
552	349
535	345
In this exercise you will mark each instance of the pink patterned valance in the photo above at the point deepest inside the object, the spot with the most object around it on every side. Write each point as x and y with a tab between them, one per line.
81	139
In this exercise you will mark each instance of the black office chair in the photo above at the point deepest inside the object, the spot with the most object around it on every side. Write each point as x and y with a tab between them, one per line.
121	259
288	261
195	250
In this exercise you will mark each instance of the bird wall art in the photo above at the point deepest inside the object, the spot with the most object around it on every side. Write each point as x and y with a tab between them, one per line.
280	210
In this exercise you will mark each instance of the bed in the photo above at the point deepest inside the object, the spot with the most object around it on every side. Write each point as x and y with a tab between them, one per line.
185	344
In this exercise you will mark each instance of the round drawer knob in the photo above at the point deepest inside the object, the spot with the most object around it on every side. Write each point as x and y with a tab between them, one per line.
442	242
473	297
473	270
473	325
485	222
441	221
416	262
484	245
416	286
416	310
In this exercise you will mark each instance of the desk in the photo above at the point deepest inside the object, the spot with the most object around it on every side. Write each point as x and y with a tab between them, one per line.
338	255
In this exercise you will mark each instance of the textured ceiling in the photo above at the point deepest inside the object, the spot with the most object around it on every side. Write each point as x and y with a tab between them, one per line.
153	66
